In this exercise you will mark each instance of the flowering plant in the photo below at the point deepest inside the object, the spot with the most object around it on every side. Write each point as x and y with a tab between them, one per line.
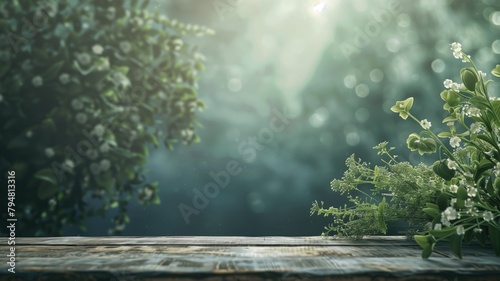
458	197
468	205
86	88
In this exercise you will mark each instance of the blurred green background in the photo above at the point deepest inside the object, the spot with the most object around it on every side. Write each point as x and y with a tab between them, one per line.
309	57
270	54
337	66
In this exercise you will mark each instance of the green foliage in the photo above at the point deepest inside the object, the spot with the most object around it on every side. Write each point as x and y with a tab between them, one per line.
458	197
407	187
84	93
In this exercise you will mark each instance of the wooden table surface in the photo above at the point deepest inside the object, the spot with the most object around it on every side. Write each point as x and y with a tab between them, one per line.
240	258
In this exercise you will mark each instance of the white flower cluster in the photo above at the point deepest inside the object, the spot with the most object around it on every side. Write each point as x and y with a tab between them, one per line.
457	51
454	86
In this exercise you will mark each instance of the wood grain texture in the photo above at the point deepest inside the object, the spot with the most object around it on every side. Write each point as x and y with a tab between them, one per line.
241	258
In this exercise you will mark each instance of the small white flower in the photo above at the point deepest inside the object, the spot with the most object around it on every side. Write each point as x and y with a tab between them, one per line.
453	202
477	230
452	165
456	87
451	123
76	104
104	147
97	49
472	191
456	47
64	78
475	128
105	164
125	46
95	168
460	230
482	74
455	141
29	134
84	58
438	226
469	203
453	188
458	55
447	83
187	134
81	118
99	129
103	64
68	164
111	13
52	202
488	216
425	124
49	152
37	81
120	80
473	111
450	213
444	220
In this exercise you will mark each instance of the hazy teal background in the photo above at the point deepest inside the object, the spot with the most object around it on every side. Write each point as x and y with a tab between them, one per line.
272	54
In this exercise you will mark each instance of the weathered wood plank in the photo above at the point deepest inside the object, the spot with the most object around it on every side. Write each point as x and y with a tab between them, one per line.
241	258
212	240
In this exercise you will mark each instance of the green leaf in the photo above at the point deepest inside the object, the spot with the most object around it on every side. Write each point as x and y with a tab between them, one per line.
444	135
496	71
427	243
494	238
403	107
443	232
496	110
432	205
456	244
441	169
469	78
485	138
443	201
461	193
479	102
47	175
431	212
420	144
380	217
451	98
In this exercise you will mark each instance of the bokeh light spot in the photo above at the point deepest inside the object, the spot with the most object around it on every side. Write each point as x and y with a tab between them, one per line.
495	18
362	90
319	117
438	65
362	114
350	81
496	46
376	75
234	85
